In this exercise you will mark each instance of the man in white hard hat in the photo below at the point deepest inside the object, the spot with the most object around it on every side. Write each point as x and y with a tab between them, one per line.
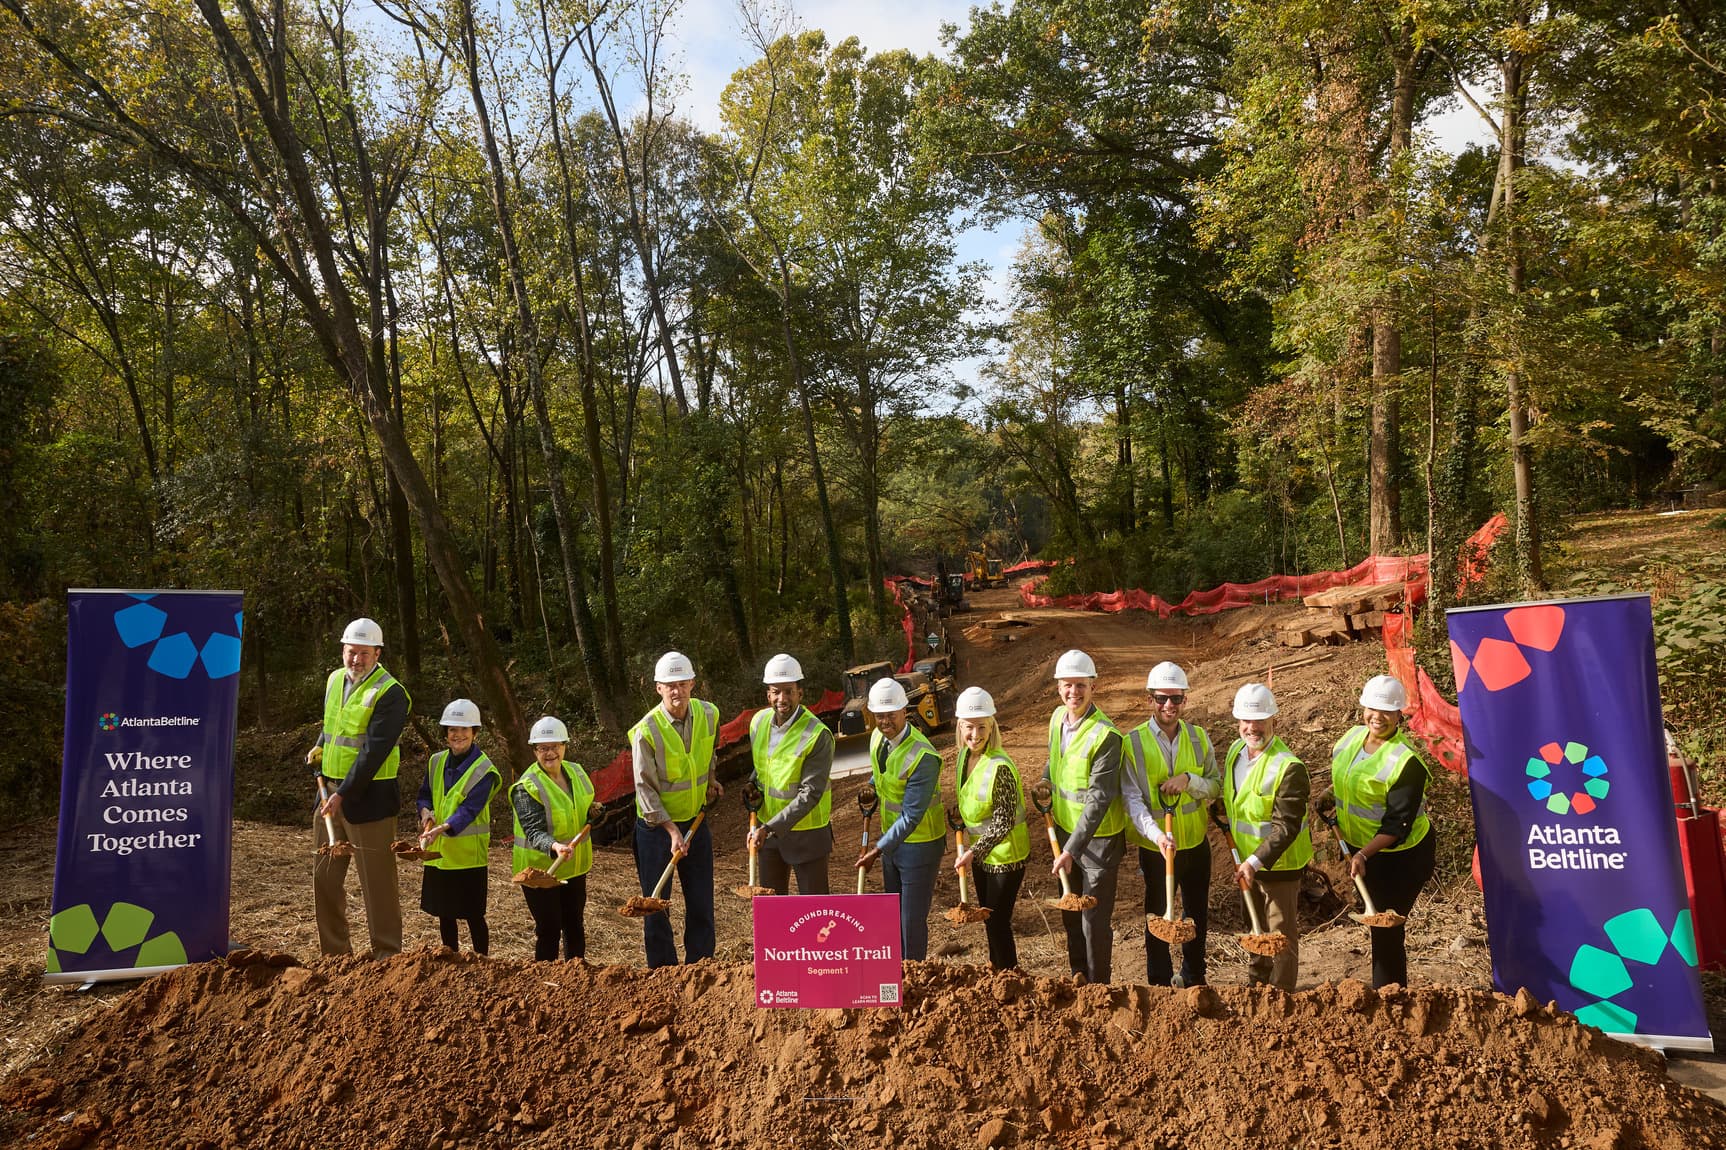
1085	784
357	757
1265	788
1169	780
793	755
907	776
675	750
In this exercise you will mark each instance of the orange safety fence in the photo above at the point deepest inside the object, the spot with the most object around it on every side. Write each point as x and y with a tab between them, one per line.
1430	716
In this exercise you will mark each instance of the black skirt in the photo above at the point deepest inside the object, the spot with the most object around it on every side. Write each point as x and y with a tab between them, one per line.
454	893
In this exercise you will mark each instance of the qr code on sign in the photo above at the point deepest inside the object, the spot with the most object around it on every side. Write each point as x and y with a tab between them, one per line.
889	992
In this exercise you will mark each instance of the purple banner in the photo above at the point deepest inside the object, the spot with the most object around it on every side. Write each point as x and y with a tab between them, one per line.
1585	900
146	783
823	951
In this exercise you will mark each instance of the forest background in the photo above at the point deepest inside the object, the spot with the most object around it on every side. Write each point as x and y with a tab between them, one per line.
444	314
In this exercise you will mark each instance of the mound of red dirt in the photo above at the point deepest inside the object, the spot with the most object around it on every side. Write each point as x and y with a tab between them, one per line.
433	1050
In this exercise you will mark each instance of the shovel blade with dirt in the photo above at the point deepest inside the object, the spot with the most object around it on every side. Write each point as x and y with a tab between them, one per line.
333	847
752	888
1373	916
538	879
1168	928
1268	943
967	911
412	850
1069	900
642	905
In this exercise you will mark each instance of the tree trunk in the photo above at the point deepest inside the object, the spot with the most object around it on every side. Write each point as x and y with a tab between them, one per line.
1513	135
599	682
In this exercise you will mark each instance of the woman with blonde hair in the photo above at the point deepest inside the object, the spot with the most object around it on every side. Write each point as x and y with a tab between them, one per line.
992	807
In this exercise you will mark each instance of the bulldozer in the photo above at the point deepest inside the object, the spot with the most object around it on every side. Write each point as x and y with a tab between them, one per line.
984	572
928	688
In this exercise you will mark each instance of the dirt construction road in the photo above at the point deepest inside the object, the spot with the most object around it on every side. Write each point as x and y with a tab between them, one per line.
430	1050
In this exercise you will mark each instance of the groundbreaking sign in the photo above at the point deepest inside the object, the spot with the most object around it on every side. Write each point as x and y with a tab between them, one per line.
1585	898
146	783
825	951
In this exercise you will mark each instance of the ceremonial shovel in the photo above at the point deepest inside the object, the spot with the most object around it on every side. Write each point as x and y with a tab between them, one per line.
640	906
1260	941
545	879
333	848
753	889
867	801
1373	916
1042	800
1172	930
966	911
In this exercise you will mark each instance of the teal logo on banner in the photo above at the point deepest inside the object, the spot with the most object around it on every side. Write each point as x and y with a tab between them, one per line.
1585	895
146	786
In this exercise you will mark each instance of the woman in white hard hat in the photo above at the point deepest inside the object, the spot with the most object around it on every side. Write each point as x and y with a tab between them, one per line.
992	807
1085	782
1265	788
455	821
1378	787
907	776
553	800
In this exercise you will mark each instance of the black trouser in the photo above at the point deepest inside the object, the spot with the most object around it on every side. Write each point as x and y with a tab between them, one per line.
1394	879
476	929
998	891
1193	878
558	910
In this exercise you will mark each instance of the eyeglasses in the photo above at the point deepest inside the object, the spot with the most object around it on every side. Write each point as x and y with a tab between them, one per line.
1168	700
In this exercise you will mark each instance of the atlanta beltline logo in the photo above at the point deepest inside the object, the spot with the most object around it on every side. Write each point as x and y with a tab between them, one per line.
1575	844
110	721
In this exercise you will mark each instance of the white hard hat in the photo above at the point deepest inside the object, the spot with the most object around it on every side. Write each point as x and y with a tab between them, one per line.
974	703
1384	693
673	667
887	695
1075	665
549	730
461	713
364	633
782	668
1255	701
1166	677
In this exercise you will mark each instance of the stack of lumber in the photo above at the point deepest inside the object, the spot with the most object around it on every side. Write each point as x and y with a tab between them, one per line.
1341	615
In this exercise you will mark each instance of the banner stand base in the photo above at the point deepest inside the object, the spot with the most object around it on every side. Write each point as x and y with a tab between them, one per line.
88	978
1665	1042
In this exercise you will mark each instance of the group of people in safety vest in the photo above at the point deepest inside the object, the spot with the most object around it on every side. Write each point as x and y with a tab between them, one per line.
1152	787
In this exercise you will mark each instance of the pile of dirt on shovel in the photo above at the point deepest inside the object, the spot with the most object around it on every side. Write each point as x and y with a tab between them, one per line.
434	1050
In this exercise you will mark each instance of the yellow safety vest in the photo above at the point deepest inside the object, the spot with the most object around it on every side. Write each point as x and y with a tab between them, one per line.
977	789
1146	751
891	780
685	767
1250	809
345	723
466	848
1361	787
777	773
565	814
1070	771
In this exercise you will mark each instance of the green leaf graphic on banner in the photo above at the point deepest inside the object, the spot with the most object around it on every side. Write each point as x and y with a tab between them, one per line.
127	925
1608	1016
1599	972
73	929
163	950
1637	935
1684	937
53	964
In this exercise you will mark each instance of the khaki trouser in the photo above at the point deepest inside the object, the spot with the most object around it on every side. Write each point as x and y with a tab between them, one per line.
377	872
1278	903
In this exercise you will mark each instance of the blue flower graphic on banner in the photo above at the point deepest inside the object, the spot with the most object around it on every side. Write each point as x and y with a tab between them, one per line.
175	653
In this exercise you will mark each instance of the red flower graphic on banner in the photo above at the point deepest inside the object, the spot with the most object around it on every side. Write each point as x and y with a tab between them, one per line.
1501	663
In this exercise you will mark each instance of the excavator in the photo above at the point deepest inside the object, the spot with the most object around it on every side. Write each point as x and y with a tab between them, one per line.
983	571
929	686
